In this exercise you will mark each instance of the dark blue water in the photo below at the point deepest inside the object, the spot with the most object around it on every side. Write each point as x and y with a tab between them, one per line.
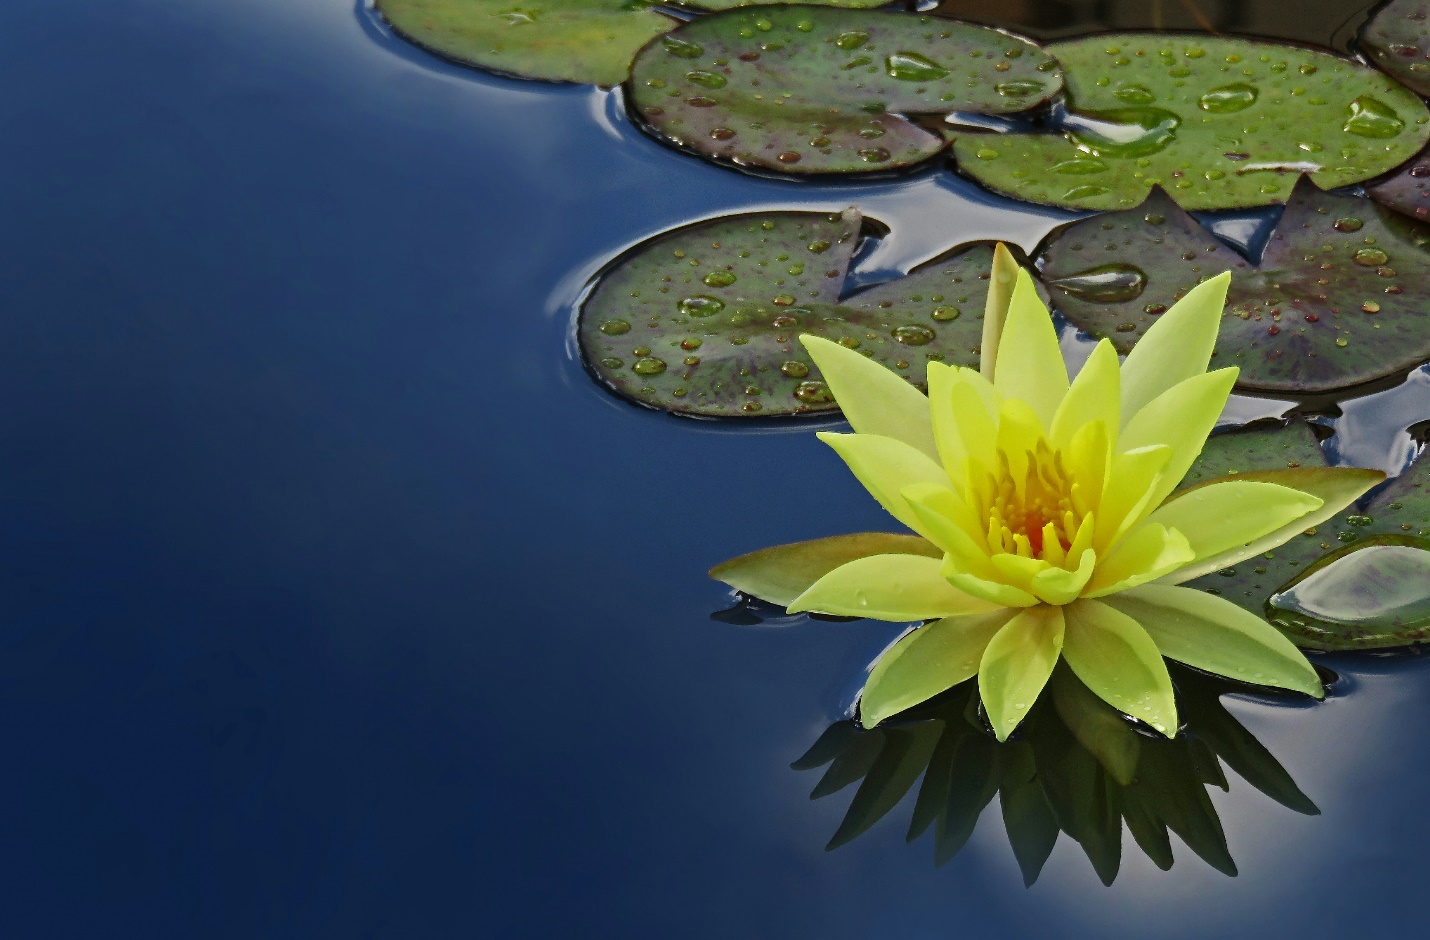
338	602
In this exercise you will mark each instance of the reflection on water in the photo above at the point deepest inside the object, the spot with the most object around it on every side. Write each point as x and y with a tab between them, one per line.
1075	766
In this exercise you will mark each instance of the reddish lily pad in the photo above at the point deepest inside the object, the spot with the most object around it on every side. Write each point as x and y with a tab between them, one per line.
1398	40
1341	295
705	320
1407	190
1221	123
1399	515
803	90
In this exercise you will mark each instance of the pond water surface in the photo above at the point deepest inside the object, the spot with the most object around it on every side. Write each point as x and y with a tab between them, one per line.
340	602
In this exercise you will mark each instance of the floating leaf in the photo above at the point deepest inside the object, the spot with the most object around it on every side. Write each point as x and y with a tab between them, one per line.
1407	190
1390	530
552	40
705	320
1398	39
1220	123
816	90
1340	296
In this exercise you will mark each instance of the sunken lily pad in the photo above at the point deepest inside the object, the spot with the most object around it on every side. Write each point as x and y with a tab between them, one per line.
1220	123
1398	40
806	90
1341	296
1362	554
554	40
705	320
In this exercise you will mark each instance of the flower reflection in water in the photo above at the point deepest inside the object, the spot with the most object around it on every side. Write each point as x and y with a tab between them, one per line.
1076	766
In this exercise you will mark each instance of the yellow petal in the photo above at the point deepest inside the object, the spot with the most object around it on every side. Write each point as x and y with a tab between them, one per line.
1232	513
1336	487
1017	570
1114	657
1181	418
1016	666
1148	552
1087	458
1030	361
995	592
1001	282
1177	347
926	661
1093	396
951	524
888	587
874	399
965	419
885	466
784	572
1060	586
1128	493
1215	635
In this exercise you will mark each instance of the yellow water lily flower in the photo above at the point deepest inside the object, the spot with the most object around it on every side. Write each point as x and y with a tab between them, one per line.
1048	518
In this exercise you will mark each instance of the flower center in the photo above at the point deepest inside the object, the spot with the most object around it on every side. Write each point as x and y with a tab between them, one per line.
1031	512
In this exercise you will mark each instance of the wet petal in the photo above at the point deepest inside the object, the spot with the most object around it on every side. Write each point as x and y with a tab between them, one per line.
991	590
784	572
1114	657
1215	635
1336	487
1232	513
888	587
1016	665
926	661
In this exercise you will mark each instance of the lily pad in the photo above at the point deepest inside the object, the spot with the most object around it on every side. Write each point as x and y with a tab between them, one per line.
1407	190
1397	516
1220	123
705	320
1398	40
1341	295
806	90
590	41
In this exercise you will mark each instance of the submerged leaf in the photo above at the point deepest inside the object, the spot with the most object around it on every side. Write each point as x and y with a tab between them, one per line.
1341	295
705	320
801	90
1221	123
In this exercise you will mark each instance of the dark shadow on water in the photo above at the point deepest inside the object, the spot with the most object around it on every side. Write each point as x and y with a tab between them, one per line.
1075	766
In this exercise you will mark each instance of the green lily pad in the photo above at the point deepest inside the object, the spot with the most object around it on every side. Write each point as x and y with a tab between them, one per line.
705	320
1407	190
563	41
806	90
1339	298
1221	123
1397	516
1398	39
